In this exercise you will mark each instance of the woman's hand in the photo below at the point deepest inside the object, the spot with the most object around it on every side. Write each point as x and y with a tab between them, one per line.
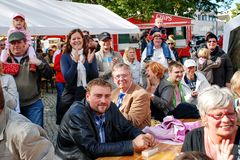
148	88
90	56
75	57
224	150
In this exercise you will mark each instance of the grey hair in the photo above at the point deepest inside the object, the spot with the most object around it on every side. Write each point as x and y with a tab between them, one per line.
121	65
212	98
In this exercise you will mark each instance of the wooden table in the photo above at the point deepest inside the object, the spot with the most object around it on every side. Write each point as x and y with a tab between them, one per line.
166	152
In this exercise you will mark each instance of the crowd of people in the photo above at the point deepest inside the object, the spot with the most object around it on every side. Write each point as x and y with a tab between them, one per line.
104	99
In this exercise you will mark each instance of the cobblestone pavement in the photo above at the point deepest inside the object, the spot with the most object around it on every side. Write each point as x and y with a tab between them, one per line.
49	100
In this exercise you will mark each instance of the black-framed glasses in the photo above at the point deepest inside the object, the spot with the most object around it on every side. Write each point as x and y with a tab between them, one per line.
171	43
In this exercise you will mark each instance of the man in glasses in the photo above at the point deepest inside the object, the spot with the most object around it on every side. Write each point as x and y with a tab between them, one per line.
131	99
223	74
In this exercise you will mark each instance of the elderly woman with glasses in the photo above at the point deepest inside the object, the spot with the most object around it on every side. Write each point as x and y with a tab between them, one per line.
220	133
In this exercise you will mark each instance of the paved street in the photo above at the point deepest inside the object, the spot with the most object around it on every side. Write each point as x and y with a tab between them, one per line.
50	126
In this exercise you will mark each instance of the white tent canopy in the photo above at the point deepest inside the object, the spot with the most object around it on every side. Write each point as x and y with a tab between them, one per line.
50	17
228	28
231	40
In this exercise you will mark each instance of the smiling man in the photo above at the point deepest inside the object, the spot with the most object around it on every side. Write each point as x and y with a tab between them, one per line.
106	57
94	128
27	81
131	99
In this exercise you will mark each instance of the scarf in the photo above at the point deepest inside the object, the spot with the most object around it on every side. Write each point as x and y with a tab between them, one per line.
81	70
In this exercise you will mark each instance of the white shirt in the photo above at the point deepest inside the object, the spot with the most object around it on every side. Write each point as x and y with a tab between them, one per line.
158	56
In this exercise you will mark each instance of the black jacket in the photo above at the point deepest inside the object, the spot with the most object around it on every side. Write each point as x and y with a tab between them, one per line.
223	74
78	136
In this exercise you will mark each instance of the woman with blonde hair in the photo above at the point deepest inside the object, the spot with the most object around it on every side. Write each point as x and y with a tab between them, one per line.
130	58
160	90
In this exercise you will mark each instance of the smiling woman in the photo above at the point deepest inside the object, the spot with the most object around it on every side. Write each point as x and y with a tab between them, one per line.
219	124
78	65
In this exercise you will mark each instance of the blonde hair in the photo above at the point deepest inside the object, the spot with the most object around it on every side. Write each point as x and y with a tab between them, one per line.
235	82
126	52
204	52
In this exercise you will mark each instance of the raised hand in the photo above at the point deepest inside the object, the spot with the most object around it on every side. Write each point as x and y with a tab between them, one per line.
90	56
224	150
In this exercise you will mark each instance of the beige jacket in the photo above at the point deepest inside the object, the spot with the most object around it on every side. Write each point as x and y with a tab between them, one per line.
135	105
22	140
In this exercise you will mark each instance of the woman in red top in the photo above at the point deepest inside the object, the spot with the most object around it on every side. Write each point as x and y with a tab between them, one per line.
60	82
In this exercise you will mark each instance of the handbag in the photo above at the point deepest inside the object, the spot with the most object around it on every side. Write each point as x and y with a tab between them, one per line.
11	68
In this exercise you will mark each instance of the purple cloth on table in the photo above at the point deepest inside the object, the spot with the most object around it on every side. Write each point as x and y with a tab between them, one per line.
171	129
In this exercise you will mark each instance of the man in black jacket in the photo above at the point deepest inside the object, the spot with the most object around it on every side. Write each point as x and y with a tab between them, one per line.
94	128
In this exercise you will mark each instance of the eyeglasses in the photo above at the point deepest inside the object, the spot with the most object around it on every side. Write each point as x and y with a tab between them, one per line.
171	43
221	115
118	76
212	41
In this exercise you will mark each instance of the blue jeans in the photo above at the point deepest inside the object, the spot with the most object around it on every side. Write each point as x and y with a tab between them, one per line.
164	46
34	112
60	87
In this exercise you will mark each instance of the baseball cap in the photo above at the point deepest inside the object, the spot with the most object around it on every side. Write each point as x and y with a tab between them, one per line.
16	36
104	35
18	15
190	63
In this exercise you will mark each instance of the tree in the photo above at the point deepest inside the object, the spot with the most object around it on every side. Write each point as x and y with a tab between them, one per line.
236	11
143	9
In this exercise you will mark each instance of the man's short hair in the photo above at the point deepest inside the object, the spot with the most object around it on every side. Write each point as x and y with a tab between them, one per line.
98	82
16	36
121	65
174	64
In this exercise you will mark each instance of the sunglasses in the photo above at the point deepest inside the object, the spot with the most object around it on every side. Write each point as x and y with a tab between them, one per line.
212	41
171	43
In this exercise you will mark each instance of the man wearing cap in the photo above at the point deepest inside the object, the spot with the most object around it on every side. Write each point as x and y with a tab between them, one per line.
106	57
28	83
192	82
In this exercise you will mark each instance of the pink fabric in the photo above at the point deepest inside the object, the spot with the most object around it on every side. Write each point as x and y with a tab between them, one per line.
171	129
27	34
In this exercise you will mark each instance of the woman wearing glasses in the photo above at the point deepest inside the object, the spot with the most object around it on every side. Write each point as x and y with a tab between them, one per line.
171	45
222	74
220	133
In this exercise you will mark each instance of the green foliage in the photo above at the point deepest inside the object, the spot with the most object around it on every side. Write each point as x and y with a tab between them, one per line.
143	9
236	11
